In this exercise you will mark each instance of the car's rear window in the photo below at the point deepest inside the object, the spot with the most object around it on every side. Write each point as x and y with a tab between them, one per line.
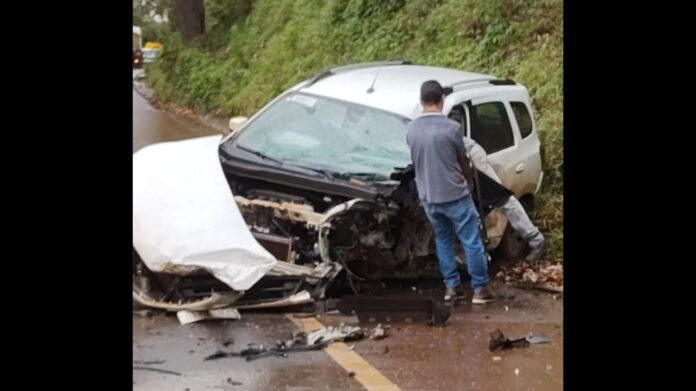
524	120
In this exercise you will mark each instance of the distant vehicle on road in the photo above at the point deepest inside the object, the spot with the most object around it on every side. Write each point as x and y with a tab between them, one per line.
150	51
137	47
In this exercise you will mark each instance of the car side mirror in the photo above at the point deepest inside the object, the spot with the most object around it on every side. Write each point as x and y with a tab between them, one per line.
236	123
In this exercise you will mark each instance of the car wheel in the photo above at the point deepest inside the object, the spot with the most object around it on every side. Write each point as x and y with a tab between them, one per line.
512	246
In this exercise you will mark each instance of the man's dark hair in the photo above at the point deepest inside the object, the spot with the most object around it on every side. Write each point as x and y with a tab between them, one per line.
431	92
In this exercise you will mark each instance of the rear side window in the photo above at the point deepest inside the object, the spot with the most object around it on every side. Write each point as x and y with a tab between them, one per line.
492	128
524	120
457	114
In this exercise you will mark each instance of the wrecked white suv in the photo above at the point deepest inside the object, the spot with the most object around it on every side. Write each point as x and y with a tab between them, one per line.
317	184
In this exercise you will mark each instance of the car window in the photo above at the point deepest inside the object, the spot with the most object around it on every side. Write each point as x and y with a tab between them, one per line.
524	120
458	115
492	129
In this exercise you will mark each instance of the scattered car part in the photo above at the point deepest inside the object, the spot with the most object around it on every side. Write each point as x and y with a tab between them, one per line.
148	362
535	339
441	313
500	342
233	382
254	353
378	333
341	333
395	308
188	317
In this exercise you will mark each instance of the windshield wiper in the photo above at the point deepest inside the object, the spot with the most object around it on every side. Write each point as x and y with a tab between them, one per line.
259	154
368	176
326	173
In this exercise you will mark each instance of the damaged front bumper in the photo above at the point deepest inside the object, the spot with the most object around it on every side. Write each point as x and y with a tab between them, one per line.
284	285
192	248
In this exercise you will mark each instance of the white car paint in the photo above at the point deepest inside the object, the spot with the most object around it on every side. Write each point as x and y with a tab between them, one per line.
396	89
185	217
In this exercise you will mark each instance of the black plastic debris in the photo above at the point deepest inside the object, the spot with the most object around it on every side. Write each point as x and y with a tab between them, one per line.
395	308
148	362
500	342
140	366
232	382
441	313
137	367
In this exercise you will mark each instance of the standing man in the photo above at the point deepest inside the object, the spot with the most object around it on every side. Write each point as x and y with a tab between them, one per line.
444	178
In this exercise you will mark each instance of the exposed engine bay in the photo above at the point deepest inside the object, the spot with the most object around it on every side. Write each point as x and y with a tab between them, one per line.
370	239
386	236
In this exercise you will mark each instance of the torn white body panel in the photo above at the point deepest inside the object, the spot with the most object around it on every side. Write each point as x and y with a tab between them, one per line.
185	217
187	317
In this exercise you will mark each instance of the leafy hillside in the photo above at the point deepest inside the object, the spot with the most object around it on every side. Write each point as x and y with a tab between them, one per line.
245	60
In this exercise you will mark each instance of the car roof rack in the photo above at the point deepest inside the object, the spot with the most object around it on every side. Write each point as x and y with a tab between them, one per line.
466	83
502	82
353	67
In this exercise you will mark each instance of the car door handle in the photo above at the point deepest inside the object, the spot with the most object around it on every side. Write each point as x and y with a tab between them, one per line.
519	168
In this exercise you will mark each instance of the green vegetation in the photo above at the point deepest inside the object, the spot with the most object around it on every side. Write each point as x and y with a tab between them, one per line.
243	60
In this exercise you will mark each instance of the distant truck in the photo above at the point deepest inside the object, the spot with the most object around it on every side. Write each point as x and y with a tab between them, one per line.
137	47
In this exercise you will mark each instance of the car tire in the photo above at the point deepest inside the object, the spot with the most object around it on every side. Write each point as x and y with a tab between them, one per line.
512	246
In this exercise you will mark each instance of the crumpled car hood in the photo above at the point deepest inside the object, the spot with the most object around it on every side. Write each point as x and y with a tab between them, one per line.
185	217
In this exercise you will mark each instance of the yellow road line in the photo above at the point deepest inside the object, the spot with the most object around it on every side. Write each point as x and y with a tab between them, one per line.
365	374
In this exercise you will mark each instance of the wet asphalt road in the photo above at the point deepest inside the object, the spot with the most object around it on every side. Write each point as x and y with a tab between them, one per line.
151	125
413	357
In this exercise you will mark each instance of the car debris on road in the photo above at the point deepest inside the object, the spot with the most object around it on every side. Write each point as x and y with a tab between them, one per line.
341	333
378	333
188	317
500	342
253	353
395	308
142	368
232	382
303	341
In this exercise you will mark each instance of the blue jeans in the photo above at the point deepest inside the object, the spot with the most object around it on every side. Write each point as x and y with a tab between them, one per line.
460	217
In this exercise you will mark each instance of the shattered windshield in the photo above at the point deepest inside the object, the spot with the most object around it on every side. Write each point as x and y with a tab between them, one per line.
327	134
